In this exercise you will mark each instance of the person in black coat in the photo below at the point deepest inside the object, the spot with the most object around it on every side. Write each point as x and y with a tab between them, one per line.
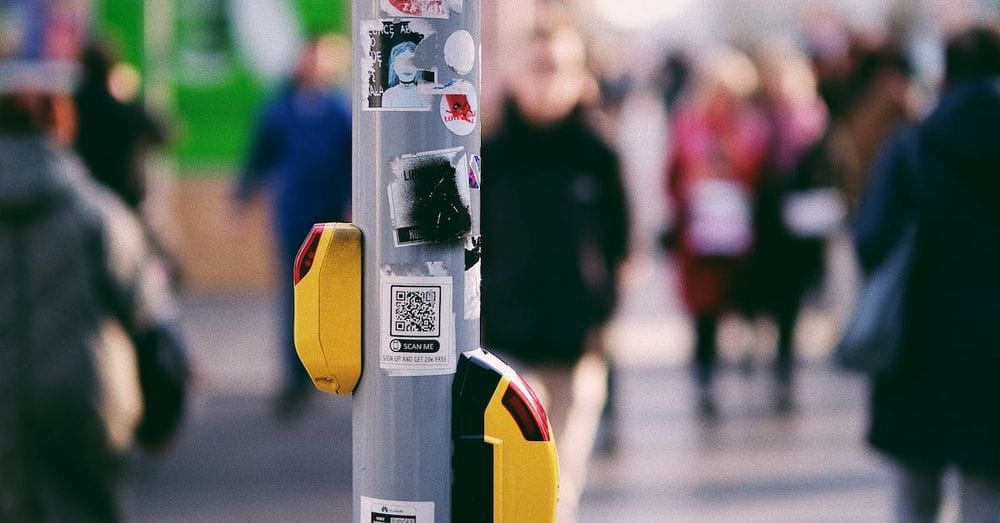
938	406
555	232
555	229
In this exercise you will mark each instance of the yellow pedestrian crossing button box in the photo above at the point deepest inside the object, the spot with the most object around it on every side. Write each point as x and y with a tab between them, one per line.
505	463
327	277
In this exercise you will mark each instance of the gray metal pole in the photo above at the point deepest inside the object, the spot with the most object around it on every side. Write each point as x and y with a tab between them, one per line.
418	214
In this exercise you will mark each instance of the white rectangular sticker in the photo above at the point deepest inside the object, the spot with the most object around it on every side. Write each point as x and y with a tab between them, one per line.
425	180
418	325
374	510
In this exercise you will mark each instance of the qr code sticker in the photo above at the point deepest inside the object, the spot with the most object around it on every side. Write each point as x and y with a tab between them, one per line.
416	311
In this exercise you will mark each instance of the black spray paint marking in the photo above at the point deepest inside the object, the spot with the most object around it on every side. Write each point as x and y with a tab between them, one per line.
437	205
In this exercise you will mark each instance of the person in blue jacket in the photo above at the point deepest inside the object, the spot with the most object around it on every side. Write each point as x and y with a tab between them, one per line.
302	154
938	406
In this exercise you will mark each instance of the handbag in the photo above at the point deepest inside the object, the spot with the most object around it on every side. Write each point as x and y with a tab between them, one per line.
874	336
162	360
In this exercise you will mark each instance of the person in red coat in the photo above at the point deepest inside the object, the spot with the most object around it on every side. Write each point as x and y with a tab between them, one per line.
720	143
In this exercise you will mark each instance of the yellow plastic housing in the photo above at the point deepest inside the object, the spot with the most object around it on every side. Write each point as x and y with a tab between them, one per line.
525	473
328	311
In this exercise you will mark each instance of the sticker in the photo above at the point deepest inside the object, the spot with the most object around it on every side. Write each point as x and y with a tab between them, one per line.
475	171
473	278
374	510
429	200
415	8
460	107
460	52
418	331
393	82
421	8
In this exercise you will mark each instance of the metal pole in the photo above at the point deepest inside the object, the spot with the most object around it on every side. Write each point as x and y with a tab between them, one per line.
420	302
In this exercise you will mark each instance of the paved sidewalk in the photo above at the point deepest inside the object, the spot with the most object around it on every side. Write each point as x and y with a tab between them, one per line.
750	465
235	463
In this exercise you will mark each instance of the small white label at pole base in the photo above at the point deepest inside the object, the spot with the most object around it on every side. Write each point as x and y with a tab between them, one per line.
374	510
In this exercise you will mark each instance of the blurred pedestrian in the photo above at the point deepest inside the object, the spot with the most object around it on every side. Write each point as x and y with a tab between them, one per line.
828	42
937	407
720	144
874	99
788	257
302	154
77	284
555	224
113	135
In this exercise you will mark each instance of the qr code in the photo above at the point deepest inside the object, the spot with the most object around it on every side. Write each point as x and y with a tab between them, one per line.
416	311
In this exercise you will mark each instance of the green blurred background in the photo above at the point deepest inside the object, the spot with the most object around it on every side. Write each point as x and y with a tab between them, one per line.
213	77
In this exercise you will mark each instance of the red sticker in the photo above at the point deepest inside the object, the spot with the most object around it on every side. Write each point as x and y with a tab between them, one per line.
422	8
460	108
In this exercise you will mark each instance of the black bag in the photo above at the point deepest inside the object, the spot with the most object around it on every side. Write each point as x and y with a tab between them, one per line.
161	355
163	376
874	336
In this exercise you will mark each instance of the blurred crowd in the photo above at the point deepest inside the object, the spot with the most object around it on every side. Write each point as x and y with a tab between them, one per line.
773	150
769	155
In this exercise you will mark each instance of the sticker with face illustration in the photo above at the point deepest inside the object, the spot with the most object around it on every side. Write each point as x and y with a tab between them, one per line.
459	107
392	80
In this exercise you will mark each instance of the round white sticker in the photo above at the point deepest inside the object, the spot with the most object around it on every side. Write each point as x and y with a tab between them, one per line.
460	52
460	107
